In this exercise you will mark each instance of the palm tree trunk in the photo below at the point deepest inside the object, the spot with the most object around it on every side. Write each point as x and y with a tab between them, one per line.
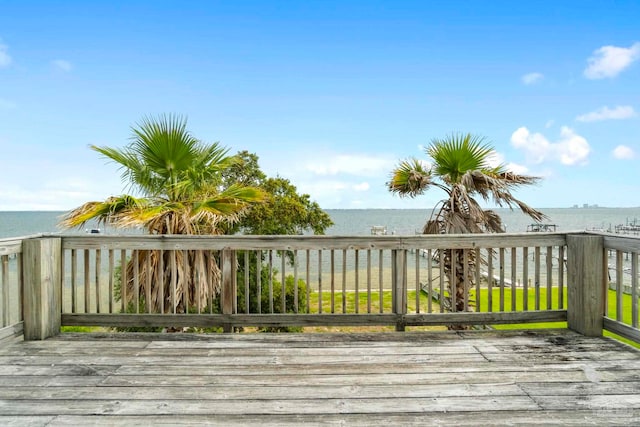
459	266
168	281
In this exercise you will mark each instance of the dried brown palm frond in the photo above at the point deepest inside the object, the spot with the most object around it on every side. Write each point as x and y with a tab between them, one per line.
190	280
461	168
179	179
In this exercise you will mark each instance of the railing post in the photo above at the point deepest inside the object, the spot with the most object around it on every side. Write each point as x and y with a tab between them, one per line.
399	285
42	287
586	285
228	288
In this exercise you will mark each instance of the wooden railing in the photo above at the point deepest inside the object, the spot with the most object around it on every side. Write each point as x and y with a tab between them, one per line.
11	318
621	305
330	280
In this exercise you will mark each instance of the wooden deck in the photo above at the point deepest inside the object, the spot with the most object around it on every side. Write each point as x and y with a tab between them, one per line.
413	378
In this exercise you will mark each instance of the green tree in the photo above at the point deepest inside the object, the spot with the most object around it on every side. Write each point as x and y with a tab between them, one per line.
177	181
268	297
461	168
284	211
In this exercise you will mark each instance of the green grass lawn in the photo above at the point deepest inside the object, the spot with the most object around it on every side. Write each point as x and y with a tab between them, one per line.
364	303
611	305
373	303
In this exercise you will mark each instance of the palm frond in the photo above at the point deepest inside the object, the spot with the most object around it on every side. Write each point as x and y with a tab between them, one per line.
410	178
457	154
107	212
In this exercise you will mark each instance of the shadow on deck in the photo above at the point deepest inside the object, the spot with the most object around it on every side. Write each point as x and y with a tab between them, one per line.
553	377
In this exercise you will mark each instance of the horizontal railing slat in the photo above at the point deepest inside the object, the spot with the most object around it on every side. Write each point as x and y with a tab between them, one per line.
451	241
622	329
493	318
11	331
620	243
338	319
10	246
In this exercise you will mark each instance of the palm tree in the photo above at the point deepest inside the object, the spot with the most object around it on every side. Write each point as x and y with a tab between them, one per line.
461	168
177	179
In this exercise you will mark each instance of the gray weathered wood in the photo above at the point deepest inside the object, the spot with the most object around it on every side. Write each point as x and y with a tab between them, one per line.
240	319
11	331
5	288
10	246
586	287
228	285
278	320
500	418
452	241
621	329
621	243
399	284
634	290
389	247
490	318
413	378
42	290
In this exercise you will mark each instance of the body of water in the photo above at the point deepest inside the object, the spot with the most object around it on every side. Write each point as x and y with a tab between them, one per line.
410	221
360	221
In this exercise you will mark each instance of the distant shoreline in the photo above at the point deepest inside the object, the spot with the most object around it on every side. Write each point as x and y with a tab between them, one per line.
590	207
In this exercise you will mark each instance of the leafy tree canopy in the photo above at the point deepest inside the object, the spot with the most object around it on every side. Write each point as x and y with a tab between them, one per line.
284	210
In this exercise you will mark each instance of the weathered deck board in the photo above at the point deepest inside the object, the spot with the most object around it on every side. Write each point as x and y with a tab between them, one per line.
415	378
564	418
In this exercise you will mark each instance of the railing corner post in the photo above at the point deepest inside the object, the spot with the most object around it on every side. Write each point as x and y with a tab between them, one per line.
399	286
586	285
228	289
42	298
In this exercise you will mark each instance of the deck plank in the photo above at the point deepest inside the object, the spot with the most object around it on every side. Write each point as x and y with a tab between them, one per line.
445	378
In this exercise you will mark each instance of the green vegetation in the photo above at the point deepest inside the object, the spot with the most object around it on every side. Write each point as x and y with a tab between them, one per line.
270	295
364	302
519	295
611	308
461	166
179	180
283	211
82	329
189	187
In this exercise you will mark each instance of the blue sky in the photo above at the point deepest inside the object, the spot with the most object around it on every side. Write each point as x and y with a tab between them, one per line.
329	94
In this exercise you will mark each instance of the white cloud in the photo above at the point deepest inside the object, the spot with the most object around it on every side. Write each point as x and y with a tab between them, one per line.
517	169
359	165
609	61
570	149
549	124
364	186
495	159
606	113
623	152
532	78
62	65
325	192
535	145
5	59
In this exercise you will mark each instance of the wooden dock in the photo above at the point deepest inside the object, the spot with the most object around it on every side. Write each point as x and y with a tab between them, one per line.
551	377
